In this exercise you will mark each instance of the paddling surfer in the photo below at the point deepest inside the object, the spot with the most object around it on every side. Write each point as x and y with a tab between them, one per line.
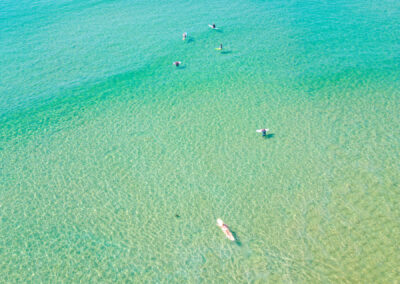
225	229
263	131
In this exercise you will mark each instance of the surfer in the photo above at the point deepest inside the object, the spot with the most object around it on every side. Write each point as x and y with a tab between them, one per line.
213	26
184	36
225	229
177	63
220	46
263	131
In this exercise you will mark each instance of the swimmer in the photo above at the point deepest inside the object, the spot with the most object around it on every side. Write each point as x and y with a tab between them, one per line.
184	36
263	131
177	63
225	229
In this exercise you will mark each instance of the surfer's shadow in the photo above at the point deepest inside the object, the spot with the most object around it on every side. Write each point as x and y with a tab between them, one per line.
269	136
226	52
189	40
237	240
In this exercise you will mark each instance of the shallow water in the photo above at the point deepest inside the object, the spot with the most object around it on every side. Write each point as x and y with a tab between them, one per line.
104	142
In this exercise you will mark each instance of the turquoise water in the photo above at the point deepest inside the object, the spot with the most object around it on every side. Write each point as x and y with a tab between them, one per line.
103	141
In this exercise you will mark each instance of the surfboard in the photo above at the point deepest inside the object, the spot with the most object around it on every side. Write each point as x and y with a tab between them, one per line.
261	130
218	48
212	27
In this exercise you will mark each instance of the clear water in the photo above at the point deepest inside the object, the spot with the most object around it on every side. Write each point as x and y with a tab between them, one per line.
103	141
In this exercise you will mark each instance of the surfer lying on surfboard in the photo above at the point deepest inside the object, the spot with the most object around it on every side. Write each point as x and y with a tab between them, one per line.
263	131
225	229
177	63
213	27
220	47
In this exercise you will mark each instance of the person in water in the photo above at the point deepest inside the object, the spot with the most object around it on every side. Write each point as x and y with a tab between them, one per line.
220	46
184	36
225	229
213	26
177	63
264	132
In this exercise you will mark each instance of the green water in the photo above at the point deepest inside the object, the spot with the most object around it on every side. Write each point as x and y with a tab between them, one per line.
103	141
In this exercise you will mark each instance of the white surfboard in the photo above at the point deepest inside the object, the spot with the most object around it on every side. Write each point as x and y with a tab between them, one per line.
213	27
261	130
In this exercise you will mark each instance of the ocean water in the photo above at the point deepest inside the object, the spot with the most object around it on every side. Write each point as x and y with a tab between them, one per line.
115	164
